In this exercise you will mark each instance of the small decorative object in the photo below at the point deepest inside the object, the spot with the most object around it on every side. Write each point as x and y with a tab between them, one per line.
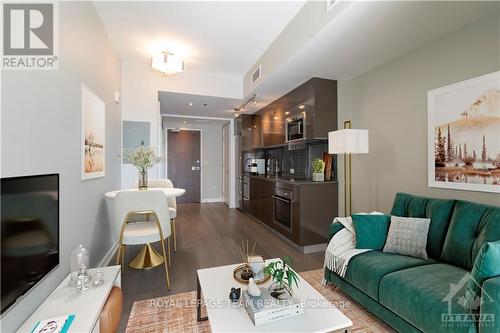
328	159
83	279
98	279
253	289
318	170
234	295
463	135
239	270
283	278
247	271
80	256
257	265
93	126
143	158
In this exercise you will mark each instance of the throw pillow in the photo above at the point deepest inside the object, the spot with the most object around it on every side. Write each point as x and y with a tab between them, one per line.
486	266
408	236
371	230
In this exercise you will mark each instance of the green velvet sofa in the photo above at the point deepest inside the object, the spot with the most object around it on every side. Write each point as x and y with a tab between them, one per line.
416	295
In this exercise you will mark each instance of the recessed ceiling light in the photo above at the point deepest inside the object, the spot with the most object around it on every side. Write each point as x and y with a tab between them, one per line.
302	106
287	113
184	121
190	104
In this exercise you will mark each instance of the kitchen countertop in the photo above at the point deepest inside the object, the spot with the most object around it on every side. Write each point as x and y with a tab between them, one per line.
290	180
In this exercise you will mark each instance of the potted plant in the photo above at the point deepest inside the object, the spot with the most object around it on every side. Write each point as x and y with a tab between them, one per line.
143	158
318	169
283	278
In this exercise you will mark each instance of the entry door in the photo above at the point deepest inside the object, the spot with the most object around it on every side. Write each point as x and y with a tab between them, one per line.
225	163
184	163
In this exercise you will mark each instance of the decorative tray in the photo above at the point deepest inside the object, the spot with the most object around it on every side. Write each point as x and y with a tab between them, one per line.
237	276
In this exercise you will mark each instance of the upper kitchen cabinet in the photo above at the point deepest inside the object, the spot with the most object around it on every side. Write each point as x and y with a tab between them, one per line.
273	126
251	133
323	116
315	100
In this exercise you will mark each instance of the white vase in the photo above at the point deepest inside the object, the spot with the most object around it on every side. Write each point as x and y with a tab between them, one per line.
318	177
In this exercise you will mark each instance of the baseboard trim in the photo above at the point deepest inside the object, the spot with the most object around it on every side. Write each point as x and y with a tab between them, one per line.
108	256
212	200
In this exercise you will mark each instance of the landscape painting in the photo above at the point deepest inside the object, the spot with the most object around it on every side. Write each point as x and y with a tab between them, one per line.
464	135
92	134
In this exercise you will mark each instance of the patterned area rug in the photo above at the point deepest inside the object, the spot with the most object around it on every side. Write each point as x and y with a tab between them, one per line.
146	318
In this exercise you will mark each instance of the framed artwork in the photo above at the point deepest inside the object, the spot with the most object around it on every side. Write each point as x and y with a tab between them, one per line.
464	135
92	142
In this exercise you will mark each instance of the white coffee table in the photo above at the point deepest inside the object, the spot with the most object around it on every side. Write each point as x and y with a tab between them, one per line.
214	285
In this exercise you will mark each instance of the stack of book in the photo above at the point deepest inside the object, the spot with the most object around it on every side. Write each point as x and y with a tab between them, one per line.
265	308
54	325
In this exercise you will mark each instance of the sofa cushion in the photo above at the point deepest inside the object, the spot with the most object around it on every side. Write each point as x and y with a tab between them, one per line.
371	230
486	265
408	236
438	210
365	270
471	226
421	295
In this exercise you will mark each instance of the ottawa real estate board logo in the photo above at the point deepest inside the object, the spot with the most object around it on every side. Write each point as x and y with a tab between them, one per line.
30	36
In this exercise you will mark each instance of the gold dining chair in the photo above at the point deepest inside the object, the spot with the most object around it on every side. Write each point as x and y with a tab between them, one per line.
143	231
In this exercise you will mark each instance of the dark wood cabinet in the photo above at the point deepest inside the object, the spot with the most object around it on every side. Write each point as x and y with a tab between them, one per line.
316	97
266	191
253	198
251	134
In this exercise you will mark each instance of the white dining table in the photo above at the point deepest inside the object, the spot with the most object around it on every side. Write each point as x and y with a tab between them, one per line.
169	192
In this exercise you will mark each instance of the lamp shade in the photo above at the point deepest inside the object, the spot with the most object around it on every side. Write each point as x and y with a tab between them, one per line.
353	141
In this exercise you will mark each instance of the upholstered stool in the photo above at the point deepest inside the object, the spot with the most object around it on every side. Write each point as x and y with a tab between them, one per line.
111	313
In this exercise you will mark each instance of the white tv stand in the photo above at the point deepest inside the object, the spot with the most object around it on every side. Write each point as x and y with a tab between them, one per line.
85	306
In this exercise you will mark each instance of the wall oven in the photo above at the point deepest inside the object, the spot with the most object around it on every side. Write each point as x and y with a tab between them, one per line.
296	127
282	208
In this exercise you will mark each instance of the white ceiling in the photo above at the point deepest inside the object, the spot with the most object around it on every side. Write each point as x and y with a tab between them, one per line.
228	37
367	34
224	37
178	104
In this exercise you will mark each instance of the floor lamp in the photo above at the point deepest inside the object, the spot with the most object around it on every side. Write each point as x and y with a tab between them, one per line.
345	142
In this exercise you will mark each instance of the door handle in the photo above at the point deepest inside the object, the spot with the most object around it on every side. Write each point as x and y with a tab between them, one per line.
281	199
195	168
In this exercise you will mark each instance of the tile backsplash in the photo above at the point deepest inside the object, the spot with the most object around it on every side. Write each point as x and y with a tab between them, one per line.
297	157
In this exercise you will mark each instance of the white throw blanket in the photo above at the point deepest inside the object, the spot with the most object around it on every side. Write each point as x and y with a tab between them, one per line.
342	246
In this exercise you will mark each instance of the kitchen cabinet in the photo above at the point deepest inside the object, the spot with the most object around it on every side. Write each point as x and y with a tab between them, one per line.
273	126
266	191
253	197
251	135
316	97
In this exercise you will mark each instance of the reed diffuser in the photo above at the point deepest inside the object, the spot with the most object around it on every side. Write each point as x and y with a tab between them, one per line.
245	253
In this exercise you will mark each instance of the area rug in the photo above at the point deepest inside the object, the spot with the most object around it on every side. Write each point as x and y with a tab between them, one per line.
147	318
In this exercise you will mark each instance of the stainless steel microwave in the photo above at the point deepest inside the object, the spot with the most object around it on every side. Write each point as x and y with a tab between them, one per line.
296	127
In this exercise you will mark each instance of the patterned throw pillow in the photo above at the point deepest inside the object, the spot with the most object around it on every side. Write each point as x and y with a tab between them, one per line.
408	236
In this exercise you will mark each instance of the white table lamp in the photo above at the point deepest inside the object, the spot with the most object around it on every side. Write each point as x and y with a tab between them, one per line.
348	141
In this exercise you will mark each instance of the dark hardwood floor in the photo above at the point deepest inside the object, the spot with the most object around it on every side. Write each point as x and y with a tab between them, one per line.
207	235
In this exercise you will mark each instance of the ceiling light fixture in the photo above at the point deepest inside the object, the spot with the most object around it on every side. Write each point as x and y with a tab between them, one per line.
167	63
190	104
243	107
302	106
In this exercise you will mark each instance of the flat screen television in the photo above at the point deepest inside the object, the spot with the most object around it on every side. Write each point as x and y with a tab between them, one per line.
29	209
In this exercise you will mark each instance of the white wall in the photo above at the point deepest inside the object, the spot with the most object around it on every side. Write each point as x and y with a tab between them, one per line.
391	101
211	160
41	134
140	87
